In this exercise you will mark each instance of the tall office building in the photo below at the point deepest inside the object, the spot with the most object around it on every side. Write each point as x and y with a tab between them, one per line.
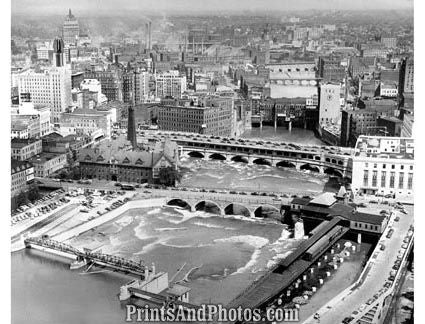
170	84
49	86
70	29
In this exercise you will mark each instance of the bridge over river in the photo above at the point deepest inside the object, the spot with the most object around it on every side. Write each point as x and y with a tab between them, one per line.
225	203
323	159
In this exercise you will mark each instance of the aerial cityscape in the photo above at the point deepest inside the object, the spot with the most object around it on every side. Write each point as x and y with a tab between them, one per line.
221	162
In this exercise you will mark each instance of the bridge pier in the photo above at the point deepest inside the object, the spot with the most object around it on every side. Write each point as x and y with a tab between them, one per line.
250	160
321	170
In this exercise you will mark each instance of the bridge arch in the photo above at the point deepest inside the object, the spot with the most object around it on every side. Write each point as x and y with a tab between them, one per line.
310	167
261	161
285	164
237	209
204	205
334	172
178	202
217	156
238	158
196	154
265	209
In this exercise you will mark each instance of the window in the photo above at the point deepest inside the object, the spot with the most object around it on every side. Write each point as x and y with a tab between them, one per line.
392	179
374	178
383	178
410	181
375	166
366	178
393	167
400	180
384	166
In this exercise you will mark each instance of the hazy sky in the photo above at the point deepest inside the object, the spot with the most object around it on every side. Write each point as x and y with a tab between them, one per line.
60	6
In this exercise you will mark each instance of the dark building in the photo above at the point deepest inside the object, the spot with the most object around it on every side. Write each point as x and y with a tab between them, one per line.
391	124
362	122
116	161
76	79
110	82
331	70
58	52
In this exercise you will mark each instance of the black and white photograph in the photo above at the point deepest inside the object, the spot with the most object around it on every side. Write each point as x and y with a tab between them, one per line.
194	161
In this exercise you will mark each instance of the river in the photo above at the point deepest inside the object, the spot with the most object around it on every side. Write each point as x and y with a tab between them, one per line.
228	252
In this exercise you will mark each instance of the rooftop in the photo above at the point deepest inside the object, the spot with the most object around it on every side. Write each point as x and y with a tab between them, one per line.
385	147
21	142
325	199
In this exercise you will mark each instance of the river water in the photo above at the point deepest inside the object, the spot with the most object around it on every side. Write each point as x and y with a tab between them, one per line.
221	255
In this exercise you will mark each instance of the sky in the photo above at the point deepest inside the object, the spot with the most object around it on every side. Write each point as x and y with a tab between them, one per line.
59	6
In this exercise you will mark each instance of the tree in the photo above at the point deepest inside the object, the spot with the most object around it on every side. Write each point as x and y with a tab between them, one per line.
169	176
21	199
33	193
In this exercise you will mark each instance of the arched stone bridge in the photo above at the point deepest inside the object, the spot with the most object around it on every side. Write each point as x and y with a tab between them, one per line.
325	159
226	203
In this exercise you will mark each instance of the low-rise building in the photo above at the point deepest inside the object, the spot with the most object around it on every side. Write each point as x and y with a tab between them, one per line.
23	149
383	165
89	122
22	175
45	164
116	161
326	207
389	90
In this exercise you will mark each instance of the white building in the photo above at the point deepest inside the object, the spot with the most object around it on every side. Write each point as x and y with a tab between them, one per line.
389	90
94	85
51	86
27	110
170	84
90	122
329	103
383	165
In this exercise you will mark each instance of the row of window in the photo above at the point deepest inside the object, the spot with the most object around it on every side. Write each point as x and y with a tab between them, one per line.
393	166
366	226
383	179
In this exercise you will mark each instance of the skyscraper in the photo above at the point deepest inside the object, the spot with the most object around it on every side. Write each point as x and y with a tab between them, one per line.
70	29
58	52
50	86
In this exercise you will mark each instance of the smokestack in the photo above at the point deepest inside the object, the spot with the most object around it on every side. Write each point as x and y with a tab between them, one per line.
131	127
150	35
147	36
131	123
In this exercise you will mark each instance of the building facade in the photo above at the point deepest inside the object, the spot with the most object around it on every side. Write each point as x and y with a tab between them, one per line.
329	103
170	84
383	165
87	122
23	149
45	164
70	29
51	87
213	120
22	175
